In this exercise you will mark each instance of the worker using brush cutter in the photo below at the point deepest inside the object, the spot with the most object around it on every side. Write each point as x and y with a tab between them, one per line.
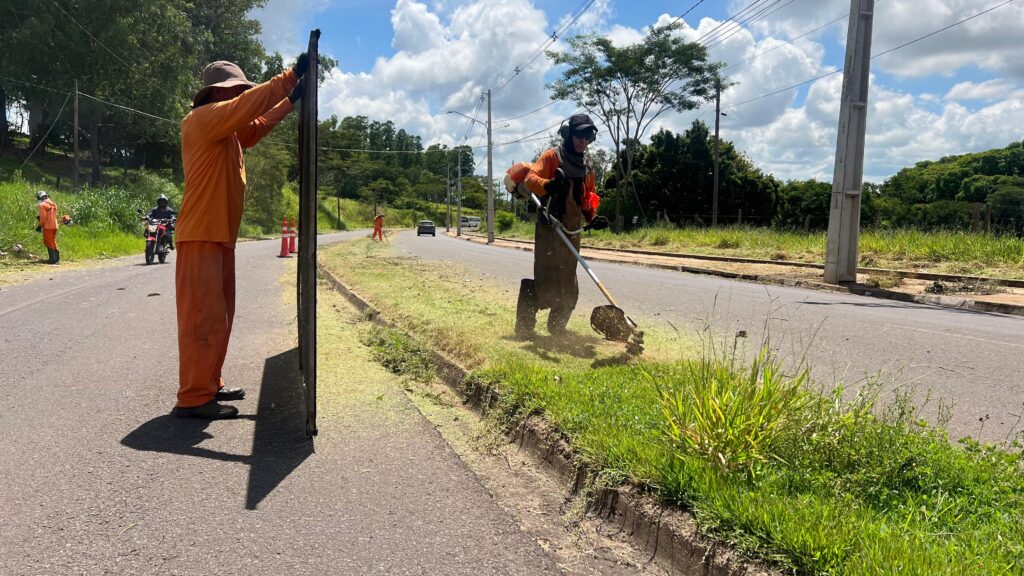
564	181
48	225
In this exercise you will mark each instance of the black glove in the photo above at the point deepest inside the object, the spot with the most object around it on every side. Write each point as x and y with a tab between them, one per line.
297	92
39	228
598	223
301	64
557	185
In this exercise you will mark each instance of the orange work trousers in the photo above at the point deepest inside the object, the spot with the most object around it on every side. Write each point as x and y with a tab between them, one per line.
50	238
377	233
205	296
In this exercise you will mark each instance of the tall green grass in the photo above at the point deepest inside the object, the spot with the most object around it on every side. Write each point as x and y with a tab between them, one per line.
106	223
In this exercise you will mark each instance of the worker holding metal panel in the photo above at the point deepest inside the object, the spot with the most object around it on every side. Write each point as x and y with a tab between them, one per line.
228	114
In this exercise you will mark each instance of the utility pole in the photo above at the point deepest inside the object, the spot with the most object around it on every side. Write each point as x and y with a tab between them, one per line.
844	214
458	185
448	193
490	175
718	115
74	138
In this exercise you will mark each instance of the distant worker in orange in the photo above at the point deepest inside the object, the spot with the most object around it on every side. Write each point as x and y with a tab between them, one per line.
228	114
48	225
378	227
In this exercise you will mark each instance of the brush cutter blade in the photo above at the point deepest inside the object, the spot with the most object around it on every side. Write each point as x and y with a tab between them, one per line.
611	322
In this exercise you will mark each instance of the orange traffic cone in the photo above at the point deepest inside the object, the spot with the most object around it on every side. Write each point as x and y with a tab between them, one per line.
284	239
293	241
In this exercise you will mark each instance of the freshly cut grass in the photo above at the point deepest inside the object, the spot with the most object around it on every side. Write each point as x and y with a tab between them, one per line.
953	252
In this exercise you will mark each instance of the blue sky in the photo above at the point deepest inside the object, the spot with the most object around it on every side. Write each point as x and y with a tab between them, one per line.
410	61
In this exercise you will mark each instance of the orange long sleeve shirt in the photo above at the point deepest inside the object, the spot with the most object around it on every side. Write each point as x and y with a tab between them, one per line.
544	170
212	139
48	214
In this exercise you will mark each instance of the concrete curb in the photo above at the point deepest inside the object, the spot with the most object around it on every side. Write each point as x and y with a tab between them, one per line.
956	302
670	535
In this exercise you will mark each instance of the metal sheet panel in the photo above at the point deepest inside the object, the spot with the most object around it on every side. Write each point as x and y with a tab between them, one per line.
306	289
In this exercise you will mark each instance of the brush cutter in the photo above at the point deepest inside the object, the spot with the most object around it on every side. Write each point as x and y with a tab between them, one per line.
609	321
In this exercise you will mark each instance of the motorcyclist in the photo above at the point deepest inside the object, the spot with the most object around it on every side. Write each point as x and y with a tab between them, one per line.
163	211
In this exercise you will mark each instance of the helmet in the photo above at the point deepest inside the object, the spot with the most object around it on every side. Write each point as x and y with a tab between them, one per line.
161	198
40	195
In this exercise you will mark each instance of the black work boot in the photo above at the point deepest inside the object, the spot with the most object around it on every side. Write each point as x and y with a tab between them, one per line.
56	254
53	255
558	319
209	411
526	309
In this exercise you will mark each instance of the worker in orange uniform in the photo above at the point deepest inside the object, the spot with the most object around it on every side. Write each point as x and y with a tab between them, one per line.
48	226
378	227
563	179
228	114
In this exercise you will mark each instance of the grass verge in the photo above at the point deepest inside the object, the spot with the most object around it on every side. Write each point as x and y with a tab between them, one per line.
816	483
945	252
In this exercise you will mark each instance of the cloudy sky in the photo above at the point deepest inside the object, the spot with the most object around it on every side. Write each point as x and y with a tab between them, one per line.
410	61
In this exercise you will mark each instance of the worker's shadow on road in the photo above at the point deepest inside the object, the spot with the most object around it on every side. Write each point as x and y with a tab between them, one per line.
279	443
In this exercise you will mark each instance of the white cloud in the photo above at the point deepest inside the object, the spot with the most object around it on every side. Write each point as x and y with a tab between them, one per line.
989	90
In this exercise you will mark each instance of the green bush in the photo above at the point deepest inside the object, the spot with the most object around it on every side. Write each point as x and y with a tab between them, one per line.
504	221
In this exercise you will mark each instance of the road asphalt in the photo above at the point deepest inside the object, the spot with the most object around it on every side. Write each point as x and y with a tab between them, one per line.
972	359
97	478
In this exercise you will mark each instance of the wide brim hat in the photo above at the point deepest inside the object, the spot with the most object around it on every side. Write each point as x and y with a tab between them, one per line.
581	122
221	74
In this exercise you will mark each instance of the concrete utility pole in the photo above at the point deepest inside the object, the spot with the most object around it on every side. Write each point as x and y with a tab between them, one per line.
458	185
448	193
490	175
844	215
718	114
74	138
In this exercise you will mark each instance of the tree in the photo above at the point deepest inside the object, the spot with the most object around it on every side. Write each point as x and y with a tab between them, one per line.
380	192
628	88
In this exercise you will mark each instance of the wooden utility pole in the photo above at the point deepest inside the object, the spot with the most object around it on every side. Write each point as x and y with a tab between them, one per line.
718	115
844	215
74	138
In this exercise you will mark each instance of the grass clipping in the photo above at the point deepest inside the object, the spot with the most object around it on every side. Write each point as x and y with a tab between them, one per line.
820	483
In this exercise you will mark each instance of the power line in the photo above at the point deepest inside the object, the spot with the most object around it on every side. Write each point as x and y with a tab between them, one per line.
548	105
884	52
31	84
790	41
47	135
128	66
127	109
683	15
547	44
747	23
726	22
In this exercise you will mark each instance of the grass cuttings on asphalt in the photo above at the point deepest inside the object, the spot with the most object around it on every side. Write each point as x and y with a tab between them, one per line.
821	484
953	252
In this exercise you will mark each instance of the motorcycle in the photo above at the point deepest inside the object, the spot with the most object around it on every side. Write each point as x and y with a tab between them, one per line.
158	238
